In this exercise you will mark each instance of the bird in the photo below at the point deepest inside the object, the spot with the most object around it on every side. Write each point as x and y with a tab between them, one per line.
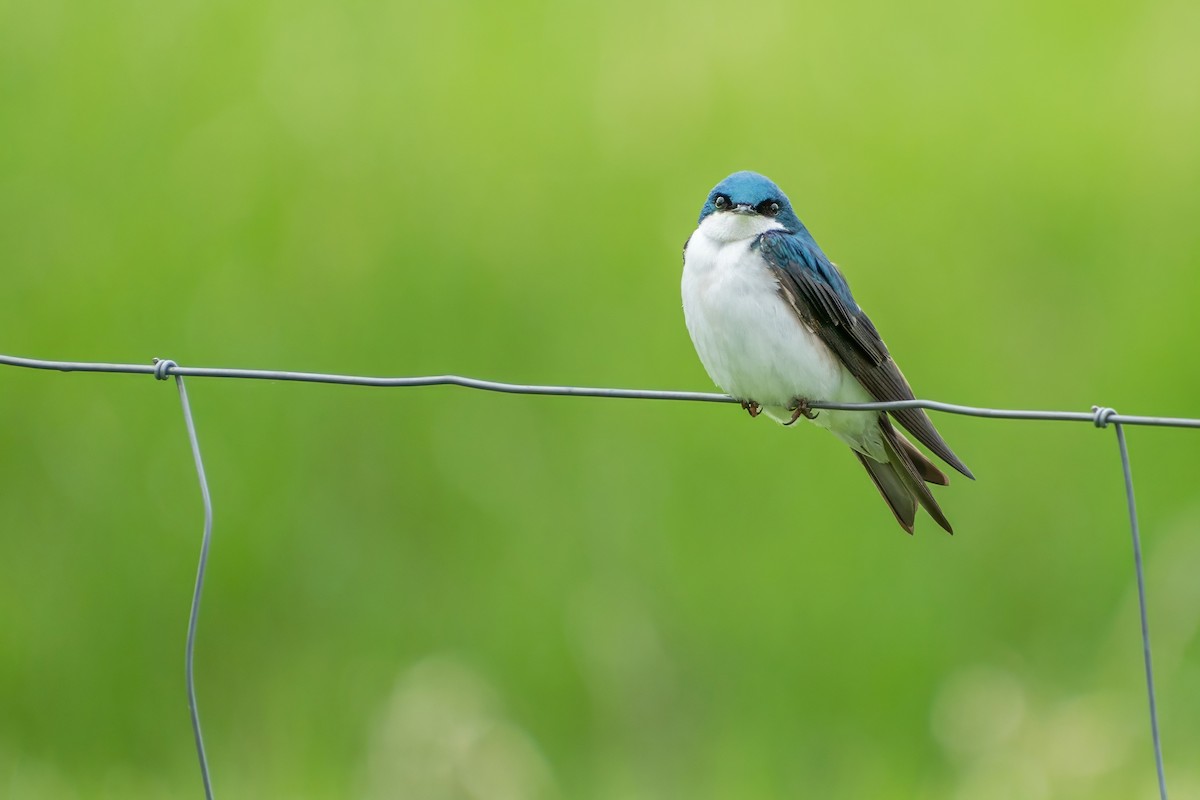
776	327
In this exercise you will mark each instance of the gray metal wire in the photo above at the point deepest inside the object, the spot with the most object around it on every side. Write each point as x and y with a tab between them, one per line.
1099	416
1141	588
161	370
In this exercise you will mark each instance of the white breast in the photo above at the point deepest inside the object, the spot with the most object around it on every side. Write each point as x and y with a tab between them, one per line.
750	341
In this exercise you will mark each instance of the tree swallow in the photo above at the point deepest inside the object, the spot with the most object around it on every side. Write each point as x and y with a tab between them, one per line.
776	327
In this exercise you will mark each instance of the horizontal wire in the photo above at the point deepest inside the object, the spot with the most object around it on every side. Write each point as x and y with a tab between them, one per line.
1098	416
582	391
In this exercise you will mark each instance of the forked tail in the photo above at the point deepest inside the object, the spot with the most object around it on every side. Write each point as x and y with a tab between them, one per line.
902	479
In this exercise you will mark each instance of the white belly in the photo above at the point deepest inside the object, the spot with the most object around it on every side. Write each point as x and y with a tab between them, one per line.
754	346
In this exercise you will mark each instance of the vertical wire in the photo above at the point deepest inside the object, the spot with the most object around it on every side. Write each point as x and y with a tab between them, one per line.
1141	588
195	612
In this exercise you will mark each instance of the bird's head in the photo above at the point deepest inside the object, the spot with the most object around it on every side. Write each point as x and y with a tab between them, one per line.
746	204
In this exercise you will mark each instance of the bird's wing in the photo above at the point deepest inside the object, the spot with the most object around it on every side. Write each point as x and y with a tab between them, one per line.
820	296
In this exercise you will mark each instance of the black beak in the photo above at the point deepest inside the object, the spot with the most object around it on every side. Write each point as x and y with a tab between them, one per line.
743	208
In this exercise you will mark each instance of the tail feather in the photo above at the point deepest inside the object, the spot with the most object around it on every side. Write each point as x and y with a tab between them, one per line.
925	468
899	499
901	480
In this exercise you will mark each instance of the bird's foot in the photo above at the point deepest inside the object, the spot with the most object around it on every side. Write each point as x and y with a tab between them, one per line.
752	408
801	409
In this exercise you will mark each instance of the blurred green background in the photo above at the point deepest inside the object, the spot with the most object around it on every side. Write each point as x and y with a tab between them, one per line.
439	593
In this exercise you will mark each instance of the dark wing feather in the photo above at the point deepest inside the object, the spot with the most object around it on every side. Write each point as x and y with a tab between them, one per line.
821	298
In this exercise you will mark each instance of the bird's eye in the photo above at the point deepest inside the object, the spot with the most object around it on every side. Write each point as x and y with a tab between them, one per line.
721	201
768	208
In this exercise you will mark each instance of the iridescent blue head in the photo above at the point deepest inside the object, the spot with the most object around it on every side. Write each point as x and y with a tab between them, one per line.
748	193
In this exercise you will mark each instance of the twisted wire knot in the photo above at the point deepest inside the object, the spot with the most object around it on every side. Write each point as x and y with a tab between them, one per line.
163	367
1101	415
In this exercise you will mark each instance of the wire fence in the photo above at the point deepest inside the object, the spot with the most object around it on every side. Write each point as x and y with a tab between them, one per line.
162	369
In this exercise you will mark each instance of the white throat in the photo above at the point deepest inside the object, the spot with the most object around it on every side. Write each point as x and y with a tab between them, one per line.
729	226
